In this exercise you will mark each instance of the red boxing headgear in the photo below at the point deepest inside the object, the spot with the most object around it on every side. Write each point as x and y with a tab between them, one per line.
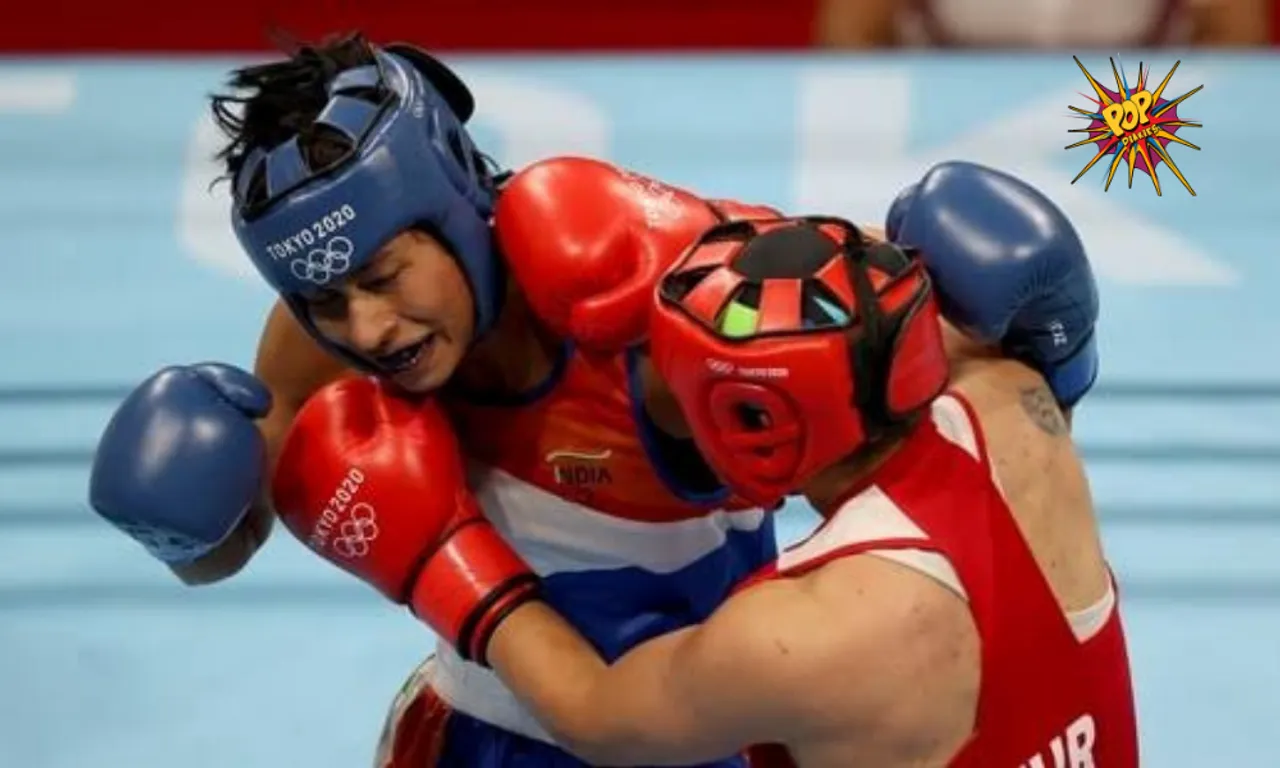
791	343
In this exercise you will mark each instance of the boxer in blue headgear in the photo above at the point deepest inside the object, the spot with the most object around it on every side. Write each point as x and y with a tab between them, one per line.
521	301
398	162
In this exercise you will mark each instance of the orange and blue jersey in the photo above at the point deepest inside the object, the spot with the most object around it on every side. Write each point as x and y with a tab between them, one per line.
627	527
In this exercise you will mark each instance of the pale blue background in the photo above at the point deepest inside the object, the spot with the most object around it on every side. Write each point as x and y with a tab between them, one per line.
116	260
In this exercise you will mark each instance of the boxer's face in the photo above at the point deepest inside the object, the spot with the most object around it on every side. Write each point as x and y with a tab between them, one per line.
410	310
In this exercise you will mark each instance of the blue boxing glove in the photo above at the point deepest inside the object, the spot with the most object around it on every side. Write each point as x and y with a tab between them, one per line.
181	461
1008	267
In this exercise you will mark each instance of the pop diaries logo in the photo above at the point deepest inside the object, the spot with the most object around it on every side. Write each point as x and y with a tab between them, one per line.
1135	125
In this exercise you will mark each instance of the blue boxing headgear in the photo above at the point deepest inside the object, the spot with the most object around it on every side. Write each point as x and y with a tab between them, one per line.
411	163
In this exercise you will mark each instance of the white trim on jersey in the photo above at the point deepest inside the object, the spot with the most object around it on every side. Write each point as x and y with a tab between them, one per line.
556	535
952	421
478	692
872	516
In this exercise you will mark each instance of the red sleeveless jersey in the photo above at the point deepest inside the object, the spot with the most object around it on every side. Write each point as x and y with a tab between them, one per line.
1047	699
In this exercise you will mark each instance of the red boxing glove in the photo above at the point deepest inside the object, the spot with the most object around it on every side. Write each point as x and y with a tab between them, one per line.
375	484
587	242
735	211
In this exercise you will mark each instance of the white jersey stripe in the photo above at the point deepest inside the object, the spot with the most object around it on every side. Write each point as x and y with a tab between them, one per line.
556	535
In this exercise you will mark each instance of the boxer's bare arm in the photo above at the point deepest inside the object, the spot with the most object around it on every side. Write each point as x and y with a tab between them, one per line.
819	664
293	367
1029	441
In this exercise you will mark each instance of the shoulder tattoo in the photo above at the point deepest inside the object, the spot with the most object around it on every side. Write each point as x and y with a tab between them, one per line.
1038	403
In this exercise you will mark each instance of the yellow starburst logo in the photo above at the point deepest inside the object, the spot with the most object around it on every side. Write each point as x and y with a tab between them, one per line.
1133	124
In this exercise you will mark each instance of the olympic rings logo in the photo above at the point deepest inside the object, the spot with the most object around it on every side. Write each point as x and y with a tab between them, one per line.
356	532
324	264
719	367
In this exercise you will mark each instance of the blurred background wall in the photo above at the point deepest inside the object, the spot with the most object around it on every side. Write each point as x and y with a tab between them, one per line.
118	259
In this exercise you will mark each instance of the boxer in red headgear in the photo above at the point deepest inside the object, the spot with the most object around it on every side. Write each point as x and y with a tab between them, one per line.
953	609
788	351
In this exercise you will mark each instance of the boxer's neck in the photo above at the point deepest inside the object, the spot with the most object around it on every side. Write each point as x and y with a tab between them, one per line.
831	487
515	356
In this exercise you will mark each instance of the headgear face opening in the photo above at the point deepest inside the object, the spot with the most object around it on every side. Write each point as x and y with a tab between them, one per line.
790	344
411	163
